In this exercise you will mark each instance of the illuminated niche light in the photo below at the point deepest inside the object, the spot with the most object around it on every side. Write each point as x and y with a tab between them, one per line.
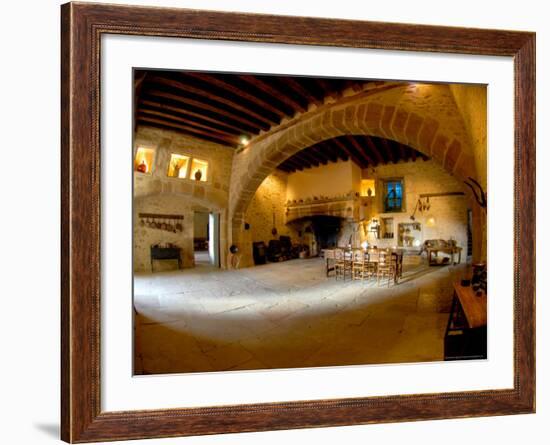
366	185
199	170
143	162
178	166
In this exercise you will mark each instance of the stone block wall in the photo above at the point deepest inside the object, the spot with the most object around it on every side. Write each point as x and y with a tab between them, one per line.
145	237
449	213
165	143
155	192
267	209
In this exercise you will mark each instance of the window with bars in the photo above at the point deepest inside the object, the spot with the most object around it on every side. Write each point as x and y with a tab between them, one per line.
393	195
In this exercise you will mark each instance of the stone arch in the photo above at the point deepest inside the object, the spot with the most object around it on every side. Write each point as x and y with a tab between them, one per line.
425	118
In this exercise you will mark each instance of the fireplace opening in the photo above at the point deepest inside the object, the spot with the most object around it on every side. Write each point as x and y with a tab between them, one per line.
327	230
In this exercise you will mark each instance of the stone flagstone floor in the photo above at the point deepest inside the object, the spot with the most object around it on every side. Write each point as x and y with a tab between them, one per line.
287	315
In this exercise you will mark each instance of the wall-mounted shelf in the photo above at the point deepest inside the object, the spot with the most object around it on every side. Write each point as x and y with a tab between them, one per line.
387	231
409	234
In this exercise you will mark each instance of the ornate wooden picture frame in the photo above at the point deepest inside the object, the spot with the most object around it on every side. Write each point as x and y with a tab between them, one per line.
82	28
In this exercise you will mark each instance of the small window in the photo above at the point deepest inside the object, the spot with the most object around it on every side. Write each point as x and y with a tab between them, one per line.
199	170
178	166
143	161
393	195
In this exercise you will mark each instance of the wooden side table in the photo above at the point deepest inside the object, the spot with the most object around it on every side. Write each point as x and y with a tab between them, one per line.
165	253
450	250
466	333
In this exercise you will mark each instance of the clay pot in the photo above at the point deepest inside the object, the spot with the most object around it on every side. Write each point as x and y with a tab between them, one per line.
142	168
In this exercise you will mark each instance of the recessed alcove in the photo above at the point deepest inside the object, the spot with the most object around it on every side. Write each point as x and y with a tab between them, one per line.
143	162
178	166
199	170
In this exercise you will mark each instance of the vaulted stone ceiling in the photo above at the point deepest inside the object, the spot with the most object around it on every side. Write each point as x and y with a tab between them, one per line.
231	109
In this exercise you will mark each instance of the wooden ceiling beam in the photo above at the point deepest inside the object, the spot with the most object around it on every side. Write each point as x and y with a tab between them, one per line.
305	160
360	149
294	164
167	126
320	154
389	150
308	157
222	138
183	111
299	163
298	88
220	83
185	121
210	95
374	149
139	78
403	152
326	89
355	85
272	91
331	152
286	168
211	108
358	158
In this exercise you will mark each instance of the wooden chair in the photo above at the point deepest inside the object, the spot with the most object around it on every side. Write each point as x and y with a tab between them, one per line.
398	265
386	267
330	258
359	265
342	264
372	262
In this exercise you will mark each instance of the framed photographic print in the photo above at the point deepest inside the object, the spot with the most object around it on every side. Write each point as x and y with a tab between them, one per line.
278	222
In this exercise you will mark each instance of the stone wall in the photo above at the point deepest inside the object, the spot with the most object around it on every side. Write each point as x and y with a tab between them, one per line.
145	237
447	217
164	142
471	100
333	180
268	202
155	192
